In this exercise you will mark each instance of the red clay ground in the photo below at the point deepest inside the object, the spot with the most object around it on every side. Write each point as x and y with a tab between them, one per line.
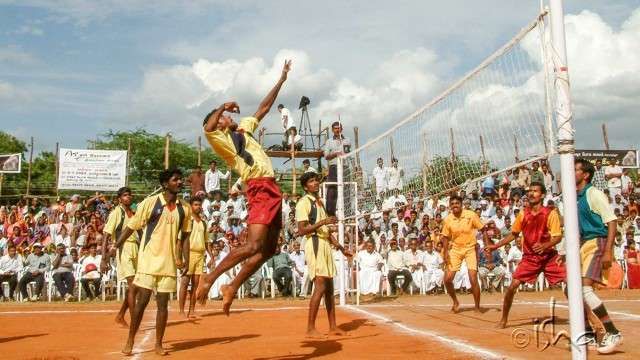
418	327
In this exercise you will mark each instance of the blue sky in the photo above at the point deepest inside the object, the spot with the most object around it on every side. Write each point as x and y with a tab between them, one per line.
71	68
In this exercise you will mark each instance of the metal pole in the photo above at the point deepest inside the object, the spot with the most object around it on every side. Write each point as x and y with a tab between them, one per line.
199	150
340	213
128	160
29	171
566	149
57	162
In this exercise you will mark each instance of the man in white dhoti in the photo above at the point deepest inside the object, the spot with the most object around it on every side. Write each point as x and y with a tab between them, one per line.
370	273
300	267
433	273
416	266
213	260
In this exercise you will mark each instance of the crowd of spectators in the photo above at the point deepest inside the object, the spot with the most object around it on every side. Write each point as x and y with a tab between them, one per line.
397	244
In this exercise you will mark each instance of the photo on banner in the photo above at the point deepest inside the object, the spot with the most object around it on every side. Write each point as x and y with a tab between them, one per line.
10	163
624	158
94	170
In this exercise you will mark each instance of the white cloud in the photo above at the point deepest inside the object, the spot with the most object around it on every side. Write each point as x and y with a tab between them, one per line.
15	55
28	30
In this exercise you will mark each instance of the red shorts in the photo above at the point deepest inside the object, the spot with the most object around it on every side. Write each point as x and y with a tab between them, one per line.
532	265
265	202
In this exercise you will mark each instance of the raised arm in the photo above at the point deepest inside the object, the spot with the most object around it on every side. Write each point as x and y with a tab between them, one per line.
268	101
211	121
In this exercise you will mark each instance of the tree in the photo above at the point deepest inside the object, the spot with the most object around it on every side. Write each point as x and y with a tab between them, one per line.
9	144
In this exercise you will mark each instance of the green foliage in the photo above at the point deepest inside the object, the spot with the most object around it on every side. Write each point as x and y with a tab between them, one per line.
10	144
443	174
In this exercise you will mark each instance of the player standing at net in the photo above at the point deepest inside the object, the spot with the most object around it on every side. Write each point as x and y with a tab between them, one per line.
540	228
460	228
126	252
197	248
166	221
598	228
313	222
242	153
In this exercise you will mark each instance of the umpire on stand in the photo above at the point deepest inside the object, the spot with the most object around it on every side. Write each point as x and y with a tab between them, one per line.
334	147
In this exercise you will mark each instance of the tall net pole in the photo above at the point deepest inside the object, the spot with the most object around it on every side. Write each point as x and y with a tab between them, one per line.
340	213
566	150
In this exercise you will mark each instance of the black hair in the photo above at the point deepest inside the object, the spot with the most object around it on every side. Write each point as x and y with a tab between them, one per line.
123	190
586	167
194	199
336	123
306	161
543	189
304	179
206	118
213	162
455	197
165	175
280	106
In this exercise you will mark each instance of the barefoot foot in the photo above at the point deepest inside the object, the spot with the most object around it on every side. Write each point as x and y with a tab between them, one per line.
182	314
227	298
160	350
203	292
128	348
501	324
314	334
336	332
456	307
120	321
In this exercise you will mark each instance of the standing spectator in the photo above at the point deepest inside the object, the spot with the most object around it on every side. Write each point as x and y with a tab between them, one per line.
488	186
536	174
395	174
335	146
282	275
63	272
288	124
626	183
397	264
37	264
300	267
548	178
599	179
74	205
91	277
10	266
196	181
522	181
613	174
213	176
380	176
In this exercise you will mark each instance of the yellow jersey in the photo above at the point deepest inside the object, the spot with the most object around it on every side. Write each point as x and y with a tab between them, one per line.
462	230
116	222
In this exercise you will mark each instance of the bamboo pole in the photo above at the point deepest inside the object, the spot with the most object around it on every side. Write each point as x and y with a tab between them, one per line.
425	160
605	137
167	140
29	171
453	144
393	154
484	158
515	147
199	150
57	163
292	148
544	139
128	160
1	181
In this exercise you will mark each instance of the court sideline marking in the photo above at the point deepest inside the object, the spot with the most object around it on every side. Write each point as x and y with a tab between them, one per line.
453	343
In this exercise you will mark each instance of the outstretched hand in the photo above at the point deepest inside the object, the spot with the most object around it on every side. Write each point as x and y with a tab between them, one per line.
231	107
286	68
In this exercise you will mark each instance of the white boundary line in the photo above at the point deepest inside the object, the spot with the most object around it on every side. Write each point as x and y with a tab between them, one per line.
138	350
459	345
632	316
29	312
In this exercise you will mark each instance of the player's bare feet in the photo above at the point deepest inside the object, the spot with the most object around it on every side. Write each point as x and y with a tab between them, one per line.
192	316
182	314
336	332
456	307
128	348
160	350
501	324
315	334
120	321
203	292
227	298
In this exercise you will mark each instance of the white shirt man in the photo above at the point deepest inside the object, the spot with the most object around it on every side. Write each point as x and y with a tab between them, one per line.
394	176
300	266
370	262
379	174
212	178
286	119
392	200
238	203
95	260
613	173
414	259
10	265
433	274
498	219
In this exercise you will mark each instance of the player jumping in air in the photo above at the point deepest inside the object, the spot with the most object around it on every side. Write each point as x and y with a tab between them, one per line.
242	153
540	228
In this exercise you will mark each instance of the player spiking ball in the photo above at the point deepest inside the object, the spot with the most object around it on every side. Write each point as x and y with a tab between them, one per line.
244	155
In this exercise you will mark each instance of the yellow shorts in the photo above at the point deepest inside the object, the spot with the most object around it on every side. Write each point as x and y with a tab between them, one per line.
159	283
127	260
196	263
459	254
319	259
591	253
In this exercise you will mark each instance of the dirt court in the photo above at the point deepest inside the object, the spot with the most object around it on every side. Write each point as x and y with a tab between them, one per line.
417	327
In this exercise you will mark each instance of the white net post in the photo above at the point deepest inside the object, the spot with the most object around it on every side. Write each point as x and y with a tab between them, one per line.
340	214
567	173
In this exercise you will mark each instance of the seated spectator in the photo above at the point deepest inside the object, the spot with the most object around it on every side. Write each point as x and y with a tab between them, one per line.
91	277
63	237
415	260
300	267
398	265
370	274
62	266
37	265
433	273
490	270
282	275
10	266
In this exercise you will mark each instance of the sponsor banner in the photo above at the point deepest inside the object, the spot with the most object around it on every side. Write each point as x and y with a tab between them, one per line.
96	170
10	163
624	158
